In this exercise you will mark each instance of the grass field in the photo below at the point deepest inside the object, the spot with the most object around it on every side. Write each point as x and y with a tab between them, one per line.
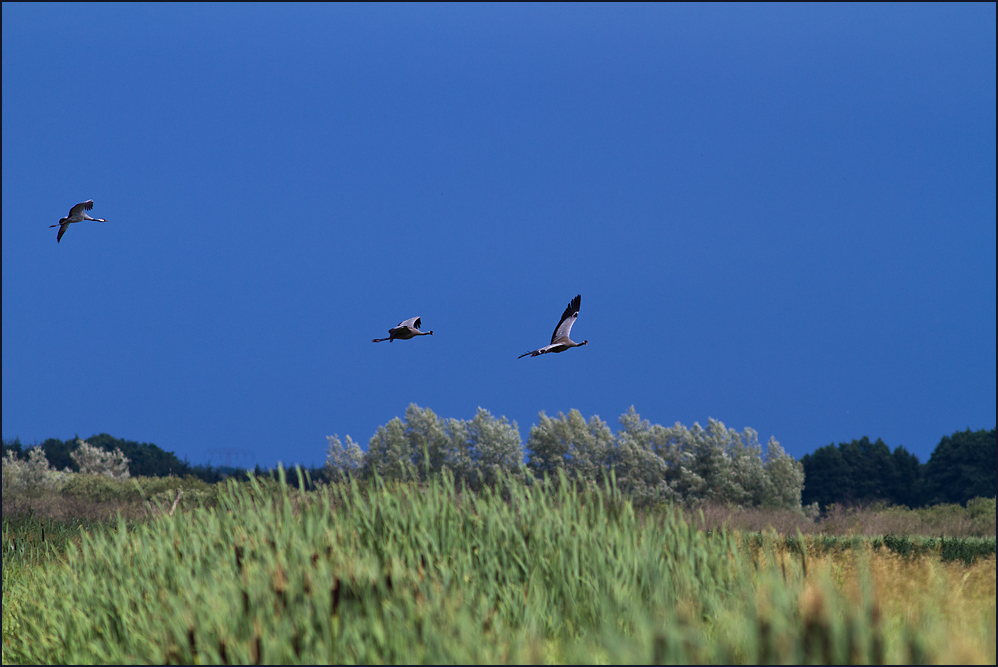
424	573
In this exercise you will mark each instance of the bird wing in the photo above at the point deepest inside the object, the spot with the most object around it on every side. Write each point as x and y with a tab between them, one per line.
81	207
411	323
542	350
568	318
62	230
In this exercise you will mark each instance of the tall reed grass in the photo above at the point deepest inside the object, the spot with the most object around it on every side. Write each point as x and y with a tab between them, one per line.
407	572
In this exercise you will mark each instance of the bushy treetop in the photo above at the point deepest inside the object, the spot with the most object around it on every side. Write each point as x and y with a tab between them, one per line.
651	462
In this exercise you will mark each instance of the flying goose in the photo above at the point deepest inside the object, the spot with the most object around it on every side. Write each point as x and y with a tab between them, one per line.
76	214
405	331
559	339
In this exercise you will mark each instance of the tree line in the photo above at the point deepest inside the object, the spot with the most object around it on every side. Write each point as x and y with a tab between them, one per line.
144	458
961	467
651	462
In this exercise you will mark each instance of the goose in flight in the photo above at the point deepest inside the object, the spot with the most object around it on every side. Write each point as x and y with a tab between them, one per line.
559	339
76	214
405	331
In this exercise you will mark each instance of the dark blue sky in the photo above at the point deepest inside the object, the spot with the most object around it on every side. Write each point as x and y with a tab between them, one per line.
782	217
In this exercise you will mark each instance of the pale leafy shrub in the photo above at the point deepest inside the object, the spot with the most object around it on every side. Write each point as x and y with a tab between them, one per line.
652	463
32	475
581	449
95	461
982	508
342	460
716	464
388	453
647	461
432	442
730	464
786	480
493	447
475	451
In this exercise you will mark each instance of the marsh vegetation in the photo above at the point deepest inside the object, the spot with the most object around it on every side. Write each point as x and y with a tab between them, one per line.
519	571
439	544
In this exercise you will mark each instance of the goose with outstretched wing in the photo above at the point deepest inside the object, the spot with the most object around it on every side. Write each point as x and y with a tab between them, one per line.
560	340
405	331
76	214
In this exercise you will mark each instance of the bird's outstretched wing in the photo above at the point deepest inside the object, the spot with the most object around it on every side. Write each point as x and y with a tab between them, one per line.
81	207
412	322
564	328
62	230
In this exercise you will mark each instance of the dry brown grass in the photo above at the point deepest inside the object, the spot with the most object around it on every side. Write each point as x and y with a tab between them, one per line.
101	500
784	522
954	601
62	508
947	520
951	606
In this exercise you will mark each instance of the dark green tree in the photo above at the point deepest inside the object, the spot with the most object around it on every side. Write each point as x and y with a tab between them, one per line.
15	446
961	467
57	452
871	469
827	477
860	472
145	458
907	488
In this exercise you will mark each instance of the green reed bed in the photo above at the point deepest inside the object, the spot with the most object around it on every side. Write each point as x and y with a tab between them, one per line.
425	573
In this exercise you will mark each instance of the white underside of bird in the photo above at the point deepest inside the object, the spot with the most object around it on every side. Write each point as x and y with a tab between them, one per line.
560	340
